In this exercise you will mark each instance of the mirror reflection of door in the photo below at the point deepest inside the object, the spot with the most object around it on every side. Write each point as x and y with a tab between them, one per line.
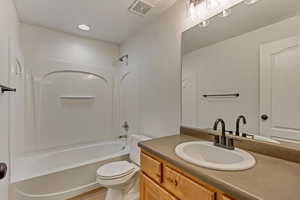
280	89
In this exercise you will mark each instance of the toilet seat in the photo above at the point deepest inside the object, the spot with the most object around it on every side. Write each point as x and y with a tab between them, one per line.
116	174
115	170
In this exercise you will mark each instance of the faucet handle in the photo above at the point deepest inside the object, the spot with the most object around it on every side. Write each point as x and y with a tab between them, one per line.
230	143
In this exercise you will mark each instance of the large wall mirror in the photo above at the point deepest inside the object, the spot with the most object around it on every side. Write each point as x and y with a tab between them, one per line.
245	62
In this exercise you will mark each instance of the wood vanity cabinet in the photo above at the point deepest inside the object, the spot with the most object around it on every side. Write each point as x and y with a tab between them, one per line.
152	167
152	191
161	180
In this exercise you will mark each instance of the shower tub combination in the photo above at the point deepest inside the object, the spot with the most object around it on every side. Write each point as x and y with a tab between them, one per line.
68	131
63	174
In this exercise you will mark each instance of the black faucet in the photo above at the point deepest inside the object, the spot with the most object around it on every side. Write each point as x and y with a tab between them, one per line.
226	142
237	132
223	137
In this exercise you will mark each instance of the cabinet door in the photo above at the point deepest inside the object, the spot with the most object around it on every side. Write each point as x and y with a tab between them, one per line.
151	191
185	188
151	167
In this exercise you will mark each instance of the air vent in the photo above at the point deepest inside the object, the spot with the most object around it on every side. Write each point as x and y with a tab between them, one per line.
140	7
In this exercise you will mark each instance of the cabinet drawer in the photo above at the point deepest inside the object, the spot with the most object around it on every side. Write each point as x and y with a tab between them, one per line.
151	191
185	188
151	167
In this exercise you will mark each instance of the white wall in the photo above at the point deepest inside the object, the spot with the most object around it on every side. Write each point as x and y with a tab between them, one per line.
9	20
9	50
40	43
154	55
44	51
229	66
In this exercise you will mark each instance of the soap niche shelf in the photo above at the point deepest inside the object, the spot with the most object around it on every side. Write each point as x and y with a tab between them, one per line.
77	97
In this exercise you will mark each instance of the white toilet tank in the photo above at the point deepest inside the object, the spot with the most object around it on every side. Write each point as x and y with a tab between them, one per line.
135	151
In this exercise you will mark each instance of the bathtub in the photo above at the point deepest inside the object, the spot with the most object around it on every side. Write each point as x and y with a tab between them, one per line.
62	174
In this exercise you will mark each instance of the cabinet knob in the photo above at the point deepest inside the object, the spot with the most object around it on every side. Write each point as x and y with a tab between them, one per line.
175	183
3	170
264	117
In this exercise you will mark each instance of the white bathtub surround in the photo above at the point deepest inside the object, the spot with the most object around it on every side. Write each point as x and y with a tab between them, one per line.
63	65
122	178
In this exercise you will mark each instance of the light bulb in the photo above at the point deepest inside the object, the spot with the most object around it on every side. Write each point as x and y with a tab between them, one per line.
211	4
204	23
192	11
225	13
250	2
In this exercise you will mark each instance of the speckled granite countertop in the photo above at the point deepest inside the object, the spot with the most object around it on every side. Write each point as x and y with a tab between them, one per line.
270	179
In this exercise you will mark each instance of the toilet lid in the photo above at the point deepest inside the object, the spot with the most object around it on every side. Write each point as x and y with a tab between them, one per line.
116	169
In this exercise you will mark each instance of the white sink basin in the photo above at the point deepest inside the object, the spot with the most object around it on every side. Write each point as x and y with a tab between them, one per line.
205	154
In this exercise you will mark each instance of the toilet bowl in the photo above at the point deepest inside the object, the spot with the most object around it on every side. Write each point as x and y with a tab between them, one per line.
122	177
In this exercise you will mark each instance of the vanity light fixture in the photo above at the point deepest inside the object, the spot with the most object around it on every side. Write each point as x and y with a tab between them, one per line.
84	27
250	2
196	8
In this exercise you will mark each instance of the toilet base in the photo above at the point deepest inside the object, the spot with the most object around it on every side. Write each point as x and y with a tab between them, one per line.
113	194
129	192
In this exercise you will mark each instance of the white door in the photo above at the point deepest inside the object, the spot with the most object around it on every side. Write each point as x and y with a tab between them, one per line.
4	156
280	89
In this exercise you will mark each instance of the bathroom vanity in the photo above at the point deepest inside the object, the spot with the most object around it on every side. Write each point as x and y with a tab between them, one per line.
166	176
162	180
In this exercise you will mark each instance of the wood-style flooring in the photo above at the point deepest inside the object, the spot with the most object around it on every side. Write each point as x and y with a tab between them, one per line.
97	194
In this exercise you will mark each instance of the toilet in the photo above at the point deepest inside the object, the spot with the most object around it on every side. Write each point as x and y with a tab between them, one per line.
122	177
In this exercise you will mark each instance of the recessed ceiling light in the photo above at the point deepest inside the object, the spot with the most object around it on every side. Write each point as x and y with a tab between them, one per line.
249	2
84	27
